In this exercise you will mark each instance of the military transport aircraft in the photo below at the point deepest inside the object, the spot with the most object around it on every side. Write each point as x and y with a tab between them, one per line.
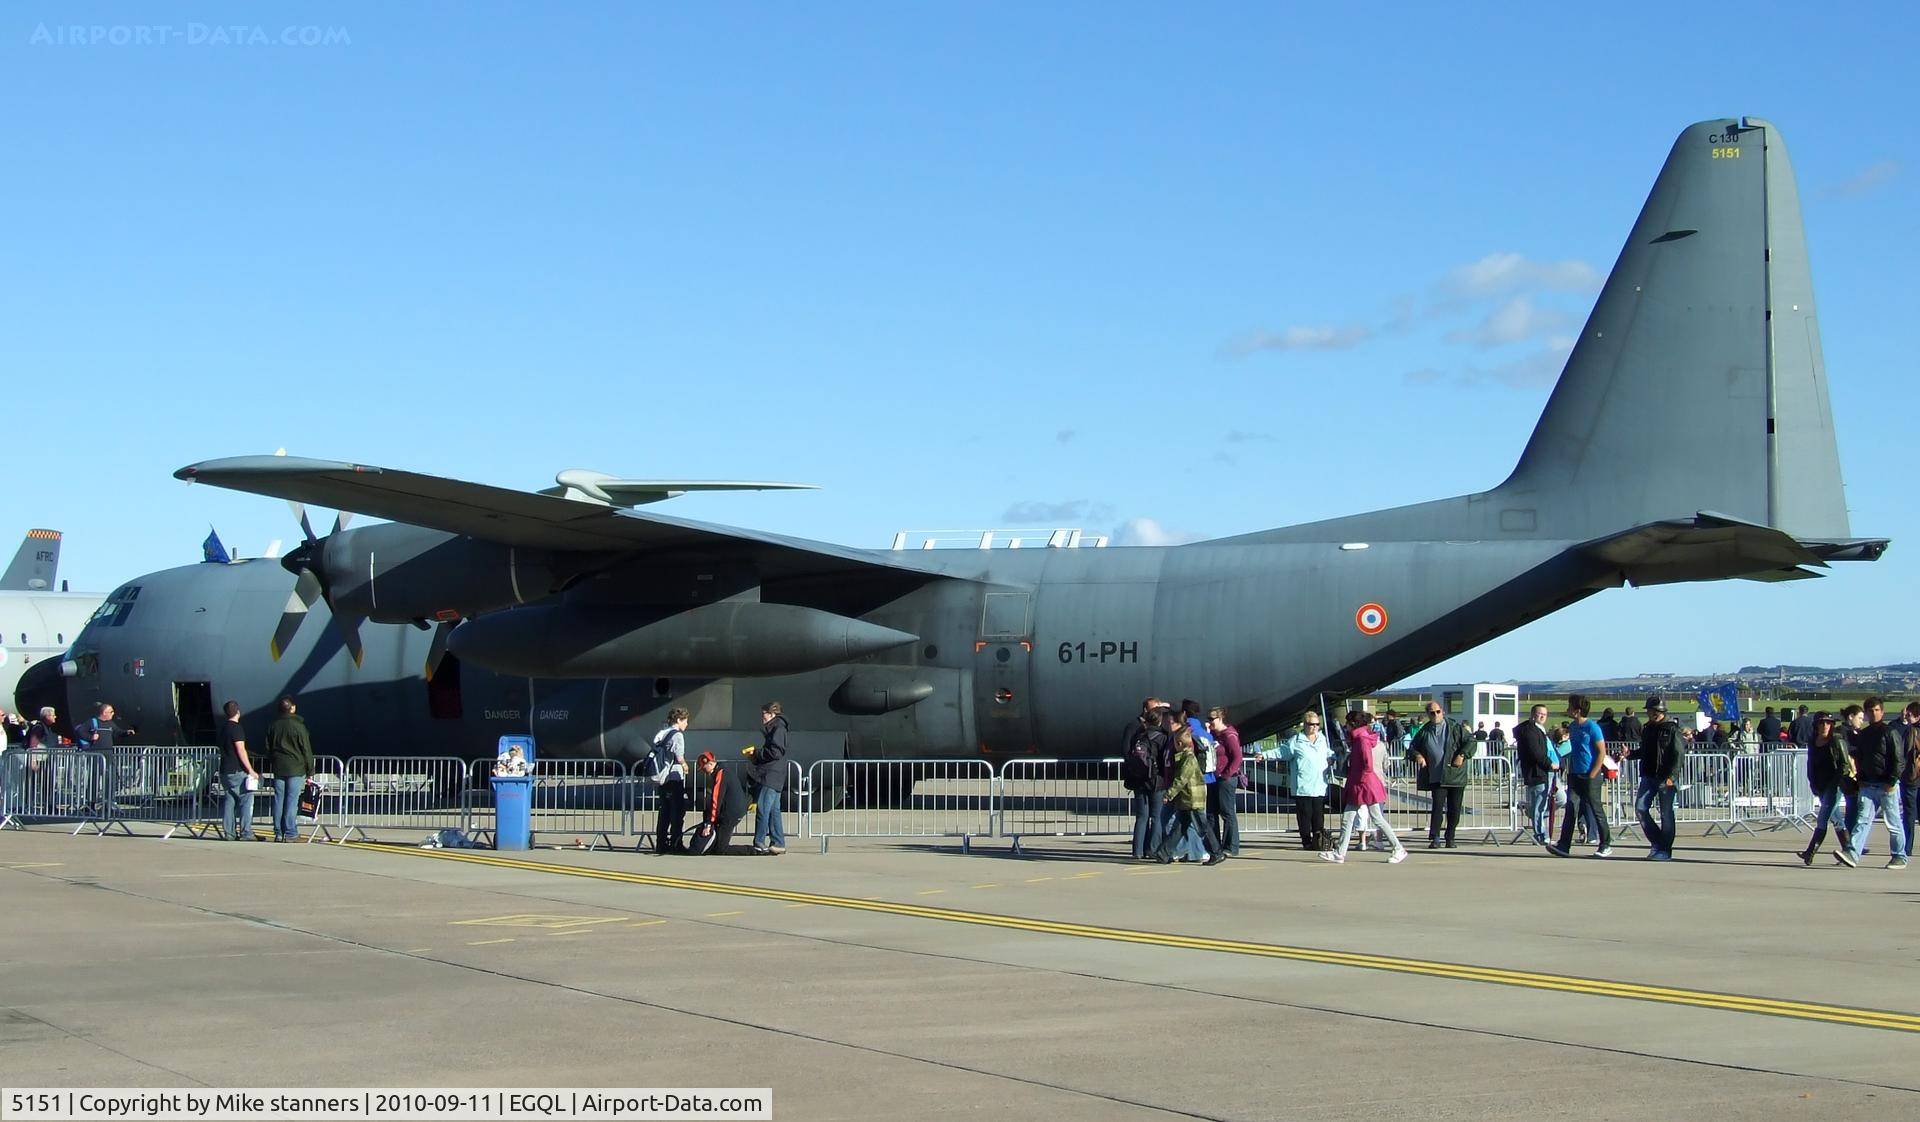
571	615
37	614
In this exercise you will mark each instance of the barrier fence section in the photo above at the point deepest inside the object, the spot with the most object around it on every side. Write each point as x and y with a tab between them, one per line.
412	793
175	787
589	800
45	785
1771	789
1265	804
901	799
1490	805
1061	798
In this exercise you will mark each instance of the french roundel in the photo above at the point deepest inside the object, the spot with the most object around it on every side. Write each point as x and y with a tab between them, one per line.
1371	619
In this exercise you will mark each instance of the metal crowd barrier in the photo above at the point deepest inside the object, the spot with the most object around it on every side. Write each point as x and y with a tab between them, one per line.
1771	788
411	793
45	785
588	799
1061	798
170	786
1265	804
1490	806
901	799
329	774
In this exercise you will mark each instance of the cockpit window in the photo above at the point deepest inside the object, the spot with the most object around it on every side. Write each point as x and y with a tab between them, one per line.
117	607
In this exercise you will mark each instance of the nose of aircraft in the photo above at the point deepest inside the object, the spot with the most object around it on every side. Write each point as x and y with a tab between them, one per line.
41	685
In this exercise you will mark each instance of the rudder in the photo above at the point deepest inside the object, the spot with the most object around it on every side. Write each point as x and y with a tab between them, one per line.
35	566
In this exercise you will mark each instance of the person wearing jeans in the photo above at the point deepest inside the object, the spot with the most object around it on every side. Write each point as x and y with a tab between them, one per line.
236	772
1586	754
1536	767
1223	795
770	766
290	755
1827	764
1877	750
1659	756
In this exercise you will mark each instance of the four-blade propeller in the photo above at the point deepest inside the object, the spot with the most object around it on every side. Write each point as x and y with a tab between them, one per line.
309	586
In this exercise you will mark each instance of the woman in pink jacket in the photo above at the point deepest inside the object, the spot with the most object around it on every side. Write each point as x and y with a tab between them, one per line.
1366	792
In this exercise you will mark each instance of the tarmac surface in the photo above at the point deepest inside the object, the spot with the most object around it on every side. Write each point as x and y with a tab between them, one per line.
914	981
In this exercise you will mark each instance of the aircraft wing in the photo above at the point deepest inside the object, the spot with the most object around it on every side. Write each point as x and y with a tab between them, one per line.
522	518
1715	546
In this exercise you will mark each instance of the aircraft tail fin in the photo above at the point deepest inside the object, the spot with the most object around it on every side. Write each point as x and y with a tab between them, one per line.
1698	382
34	568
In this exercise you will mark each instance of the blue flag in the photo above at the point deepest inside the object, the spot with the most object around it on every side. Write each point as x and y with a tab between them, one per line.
1721	702
212	550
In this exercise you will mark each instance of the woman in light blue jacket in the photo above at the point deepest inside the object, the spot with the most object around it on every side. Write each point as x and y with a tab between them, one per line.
1307	755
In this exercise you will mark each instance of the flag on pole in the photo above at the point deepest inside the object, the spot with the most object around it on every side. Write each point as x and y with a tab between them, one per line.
212	550
1721	702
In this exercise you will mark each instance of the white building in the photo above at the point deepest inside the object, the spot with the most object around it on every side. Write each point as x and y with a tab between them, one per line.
1481	702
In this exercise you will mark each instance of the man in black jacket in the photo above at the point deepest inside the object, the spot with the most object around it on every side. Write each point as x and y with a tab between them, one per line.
1769	730
1140	745
1659	756
770	770
1536	768
1801	731
1877	749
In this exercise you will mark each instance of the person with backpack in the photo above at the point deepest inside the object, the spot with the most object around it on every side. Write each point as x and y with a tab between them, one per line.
1827	765
1366	793
1187	796
1659	753
666	768
1307	754
1141	743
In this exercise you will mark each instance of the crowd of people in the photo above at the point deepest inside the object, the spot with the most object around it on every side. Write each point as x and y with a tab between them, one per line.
1183	774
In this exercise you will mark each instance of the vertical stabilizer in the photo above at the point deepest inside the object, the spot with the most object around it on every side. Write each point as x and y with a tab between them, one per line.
36	565
1697	383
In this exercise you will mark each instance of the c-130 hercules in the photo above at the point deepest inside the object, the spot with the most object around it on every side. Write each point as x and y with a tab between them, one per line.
581	620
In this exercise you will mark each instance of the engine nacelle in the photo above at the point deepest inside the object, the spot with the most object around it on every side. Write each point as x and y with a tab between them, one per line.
394	573
729	639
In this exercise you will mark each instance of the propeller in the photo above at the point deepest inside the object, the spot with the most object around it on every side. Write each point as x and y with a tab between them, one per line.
437	651
308	587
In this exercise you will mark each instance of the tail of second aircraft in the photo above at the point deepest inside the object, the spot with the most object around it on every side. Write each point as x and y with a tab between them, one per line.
36	565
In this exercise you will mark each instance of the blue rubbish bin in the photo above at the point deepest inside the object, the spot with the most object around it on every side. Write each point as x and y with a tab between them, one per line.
512	811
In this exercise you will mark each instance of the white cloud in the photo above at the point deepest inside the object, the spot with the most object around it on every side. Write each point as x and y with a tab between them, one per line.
1033	510
1868	181
1303	338
1498	274
1146	531
1540	368
1514	321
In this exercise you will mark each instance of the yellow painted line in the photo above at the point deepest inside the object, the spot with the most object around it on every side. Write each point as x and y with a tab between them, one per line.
717	915
648	923
37	865
1037	880
579	931
799	905
1558	983
486	942
416	950
1084	876
986	886
932	892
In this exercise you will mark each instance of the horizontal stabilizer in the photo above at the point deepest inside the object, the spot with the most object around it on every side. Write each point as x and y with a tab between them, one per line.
1709	547
582	485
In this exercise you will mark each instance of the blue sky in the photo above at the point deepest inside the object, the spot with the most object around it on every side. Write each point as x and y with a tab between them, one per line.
958	264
